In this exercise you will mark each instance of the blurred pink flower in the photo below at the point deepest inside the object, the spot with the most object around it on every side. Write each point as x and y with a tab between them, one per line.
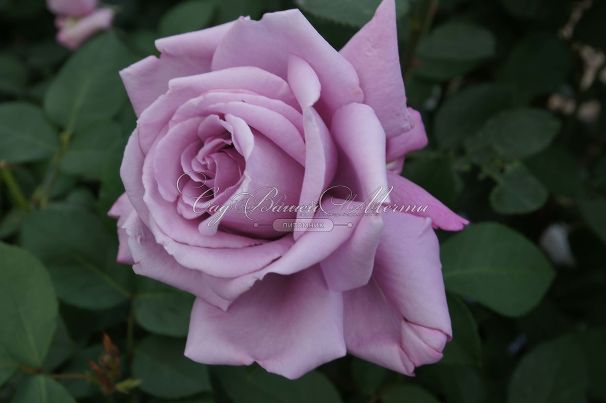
71	8
74	31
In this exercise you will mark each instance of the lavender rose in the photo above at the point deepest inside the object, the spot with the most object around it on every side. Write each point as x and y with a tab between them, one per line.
229	112
78	20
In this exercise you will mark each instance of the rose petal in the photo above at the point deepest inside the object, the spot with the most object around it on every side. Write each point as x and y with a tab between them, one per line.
270	42
373	51
412	140
320	162
269	177
181	55
289	325
361	140
73	33
122	210
156	117
400	319
71	8
408	194
304	82
152	261
351	265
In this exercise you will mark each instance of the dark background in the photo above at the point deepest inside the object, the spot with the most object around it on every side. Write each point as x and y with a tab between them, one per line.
512	93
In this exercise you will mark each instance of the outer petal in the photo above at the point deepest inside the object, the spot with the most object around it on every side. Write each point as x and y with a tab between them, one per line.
361	140
289	325
400	319
408	194
122	210
152	261
373	51
412	140
73	33
351	265
270	42
71	8
181	55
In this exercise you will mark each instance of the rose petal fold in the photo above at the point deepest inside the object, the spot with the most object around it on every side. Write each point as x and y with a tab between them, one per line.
407	194
269	44
373	51
181	55
361	140
289	325
400	319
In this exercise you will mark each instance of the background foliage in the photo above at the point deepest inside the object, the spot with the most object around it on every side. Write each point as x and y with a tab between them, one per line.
511	92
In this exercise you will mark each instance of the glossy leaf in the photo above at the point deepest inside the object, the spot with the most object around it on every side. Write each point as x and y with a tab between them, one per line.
497	267
25	133
28	311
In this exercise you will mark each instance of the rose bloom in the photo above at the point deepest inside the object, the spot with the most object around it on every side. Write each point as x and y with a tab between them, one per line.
248	105
75	31
71	8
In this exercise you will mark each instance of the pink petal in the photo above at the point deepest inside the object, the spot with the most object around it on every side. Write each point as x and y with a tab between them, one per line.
122	210
156	117
268	169
75	32
373	51
400	319
151	260
181	55
304	82
320	162
289	325
361	140
269	44
351	266
413	140
71	8
408	194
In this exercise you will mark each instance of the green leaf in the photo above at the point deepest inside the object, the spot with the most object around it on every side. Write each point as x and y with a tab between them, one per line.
28	311
88	87
457	41
165	372
161	309
537	65
368	376
187	16
496	266
453	49
558	170
25	134
461	385
520	133
92	149
523	8
518	192
465	112
61	348
13	74
81	256
594	213
407	393
437	175
42	389
593	343
255	385
358	13
553	372
465	347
